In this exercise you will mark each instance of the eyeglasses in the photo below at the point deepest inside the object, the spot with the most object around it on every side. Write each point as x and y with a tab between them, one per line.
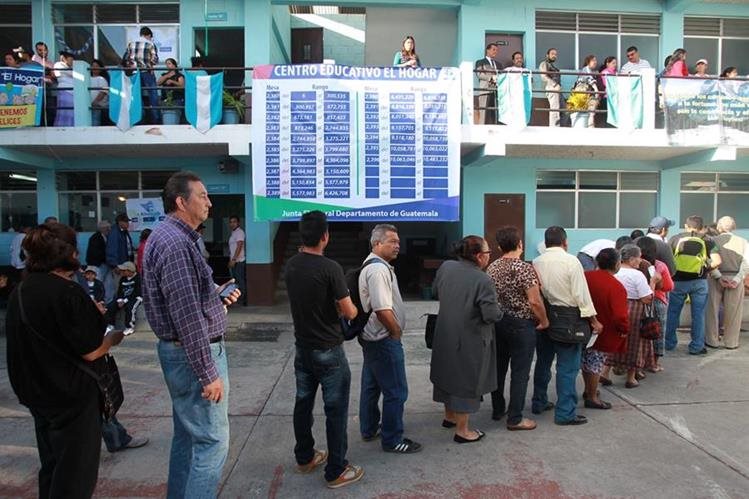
486	252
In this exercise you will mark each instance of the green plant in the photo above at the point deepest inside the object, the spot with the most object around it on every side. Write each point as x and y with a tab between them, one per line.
233	103
169	99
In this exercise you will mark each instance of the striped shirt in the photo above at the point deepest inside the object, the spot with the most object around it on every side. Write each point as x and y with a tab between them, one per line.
180	296
636	67
142	53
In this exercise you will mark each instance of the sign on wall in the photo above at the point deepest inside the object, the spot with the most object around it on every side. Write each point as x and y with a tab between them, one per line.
20	96
145	213
703	111
358	143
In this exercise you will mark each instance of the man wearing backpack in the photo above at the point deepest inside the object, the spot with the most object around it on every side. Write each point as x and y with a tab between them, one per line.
384	368
694	257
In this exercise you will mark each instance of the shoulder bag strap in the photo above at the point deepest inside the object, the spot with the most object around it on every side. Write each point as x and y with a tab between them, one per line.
80	365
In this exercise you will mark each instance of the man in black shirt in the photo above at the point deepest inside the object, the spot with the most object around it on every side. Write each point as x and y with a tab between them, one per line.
317	293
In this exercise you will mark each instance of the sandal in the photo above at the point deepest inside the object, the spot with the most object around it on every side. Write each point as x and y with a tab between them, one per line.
448	424
524	424
605	381
629	384
639	375
589	404
463	440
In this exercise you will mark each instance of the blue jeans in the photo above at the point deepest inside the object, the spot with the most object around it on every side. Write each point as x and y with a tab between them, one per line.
568	365
696	289
148	79
659	344
383	372
329	369
114	434
238	272
201	428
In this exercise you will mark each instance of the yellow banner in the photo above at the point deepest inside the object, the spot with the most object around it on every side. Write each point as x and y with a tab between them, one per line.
17	116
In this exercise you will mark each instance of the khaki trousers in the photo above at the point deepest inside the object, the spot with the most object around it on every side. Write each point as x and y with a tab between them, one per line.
733	305
553	104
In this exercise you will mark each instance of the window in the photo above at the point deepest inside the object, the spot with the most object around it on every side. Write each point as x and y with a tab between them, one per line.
713	195
103	31
15	27
17	200
723	42
595	199
87	197
576	35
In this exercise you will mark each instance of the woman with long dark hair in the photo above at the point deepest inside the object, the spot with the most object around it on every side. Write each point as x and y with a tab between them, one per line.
52	326
406	57
464	357
677	65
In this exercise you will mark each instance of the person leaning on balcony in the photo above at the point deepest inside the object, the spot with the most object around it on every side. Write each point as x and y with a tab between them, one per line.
64	74
677	65
552	84
700	69
174	81
634	63
729	72
406	57
486	71
727	286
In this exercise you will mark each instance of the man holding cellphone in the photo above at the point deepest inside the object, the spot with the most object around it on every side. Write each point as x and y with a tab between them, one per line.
188	316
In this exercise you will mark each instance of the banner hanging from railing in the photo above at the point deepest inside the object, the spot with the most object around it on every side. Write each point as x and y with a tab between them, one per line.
357	143
21	96
701	111
125	106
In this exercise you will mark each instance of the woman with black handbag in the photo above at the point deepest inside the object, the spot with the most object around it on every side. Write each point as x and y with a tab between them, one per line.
55	333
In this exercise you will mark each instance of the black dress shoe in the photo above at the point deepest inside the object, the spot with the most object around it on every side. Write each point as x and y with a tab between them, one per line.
711	346
701	352
579	419
549	406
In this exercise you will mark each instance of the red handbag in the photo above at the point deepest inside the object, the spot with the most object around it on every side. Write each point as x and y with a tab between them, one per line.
650	326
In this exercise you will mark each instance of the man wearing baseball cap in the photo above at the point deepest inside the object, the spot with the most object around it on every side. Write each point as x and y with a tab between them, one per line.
700	68
128	297
658	230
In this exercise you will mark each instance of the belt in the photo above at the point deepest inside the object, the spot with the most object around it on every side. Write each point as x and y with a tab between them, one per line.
212	340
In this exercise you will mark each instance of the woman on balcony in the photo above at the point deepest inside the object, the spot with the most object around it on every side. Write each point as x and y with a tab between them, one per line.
174	83
677	65
608	68
406	57
64	74
99	91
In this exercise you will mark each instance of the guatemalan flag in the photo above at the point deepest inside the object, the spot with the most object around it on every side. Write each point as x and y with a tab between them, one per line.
514	98
125	106
203	100
625	101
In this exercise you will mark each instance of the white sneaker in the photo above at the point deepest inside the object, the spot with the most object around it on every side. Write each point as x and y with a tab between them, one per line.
128	331
109	329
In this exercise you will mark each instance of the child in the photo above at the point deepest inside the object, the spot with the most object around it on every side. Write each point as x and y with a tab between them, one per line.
93	286
128	297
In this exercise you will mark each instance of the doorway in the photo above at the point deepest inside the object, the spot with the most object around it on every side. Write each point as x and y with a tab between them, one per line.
222	48
217	232
306	46
508	44
501	210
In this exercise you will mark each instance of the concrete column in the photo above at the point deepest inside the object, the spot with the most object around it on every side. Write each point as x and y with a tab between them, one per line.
672	34
46	195
669	196
41	25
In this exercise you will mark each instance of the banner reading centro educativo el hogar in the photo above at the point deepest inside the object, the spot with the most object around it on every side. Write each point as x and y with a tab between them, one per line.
357	143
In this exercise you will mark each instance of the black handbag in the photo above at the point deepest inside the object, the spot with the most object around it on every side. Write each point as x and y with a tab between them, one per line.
566	325
650	325
429	330
103	370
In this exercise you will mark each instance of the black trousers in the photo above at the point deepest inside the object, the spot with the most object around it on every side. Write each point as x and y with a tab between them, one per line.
516	343
69	443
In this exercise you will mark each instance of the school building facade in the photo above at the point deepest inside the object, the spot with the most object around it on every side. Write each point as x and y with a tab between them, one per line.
600	182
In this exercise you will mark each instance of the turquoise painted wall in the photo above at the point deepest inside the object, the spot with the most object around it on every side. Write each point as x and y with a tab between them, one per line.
336	46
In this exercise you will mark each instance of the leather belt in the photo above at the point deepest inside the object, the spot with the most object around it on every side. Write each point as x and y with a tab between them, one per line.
212	340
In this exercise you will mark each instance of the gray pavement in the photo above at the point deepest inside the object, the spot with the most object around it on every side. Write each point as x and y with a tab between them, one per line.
682	433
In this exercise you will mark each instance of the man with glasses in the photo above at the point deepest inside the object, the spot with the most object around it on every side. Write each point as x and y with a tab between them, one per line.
635	64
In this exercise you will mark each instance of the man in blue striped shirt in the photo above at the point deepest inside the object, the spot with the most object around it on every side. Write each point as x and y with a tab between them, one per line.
187	315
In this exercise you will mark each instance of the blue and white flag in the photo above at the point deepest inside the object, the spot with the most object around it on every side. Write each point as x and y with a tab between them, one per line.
203	100
514	98
125	106
625	102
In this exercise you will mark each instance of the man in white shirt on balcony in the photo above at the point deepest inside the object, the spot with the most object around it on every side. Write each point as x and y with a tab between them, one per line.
518	63
635	64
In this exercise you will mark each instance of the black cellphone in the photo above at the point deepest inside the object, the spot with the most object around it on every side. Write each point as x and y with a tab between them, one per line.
229	289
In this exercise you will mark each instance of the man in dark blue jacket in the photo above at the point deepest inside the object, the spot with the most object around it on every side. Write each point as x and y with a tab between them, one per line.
119	244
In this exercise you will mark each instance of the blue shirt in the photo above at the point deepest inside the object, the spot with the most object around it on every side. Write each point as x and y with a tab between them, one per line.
180	296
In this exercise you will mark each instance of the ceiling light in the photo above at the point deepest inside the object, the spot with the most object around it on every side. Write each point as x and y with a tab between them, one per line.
18	176
121	199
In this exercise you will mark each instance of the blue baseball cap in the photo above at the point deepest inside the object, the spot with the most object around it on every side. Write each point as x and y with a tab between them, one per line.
661	223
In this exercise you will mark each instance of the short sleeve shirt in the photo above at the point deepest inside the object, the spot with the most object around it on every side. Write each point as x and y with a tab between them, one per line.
512	278
236	236
378	290
634	282
315	283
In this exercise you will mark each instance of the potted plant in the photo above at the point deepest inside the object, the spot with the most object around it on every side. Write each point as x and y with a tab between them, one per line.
172	114
233	109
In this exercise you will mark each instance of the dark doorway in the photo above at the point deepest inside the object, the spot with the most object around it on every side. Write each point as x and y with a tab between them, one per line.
222	48
508	44
306	46
217	231
501	210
